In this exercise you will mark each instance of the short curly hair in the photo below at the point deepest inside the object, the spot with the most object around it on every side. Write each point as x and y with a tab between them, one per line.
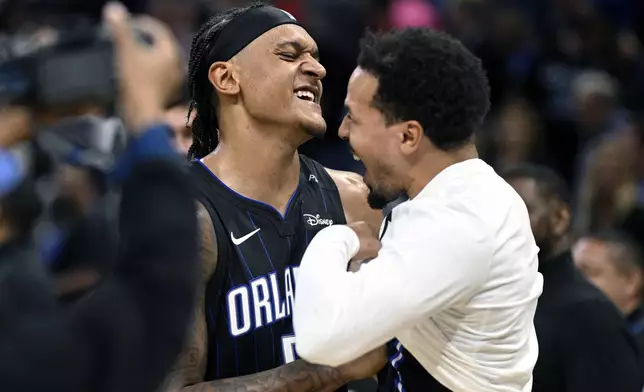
430	77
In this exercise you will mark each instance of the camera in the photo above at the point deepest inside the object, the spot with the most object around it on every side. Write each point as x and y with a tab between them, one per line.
65	58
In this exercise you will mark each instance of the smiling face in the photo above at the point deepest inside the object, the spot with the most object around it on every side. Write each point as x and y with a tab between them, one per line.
279	79
375	142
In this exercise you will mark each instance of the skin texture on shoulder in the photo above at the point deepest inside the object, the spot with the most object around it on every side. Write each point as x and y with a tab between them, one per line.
353	193
191	365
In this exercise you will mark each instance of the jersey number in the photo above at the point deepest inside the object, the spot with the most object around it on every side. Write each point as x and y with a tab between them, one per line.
288	348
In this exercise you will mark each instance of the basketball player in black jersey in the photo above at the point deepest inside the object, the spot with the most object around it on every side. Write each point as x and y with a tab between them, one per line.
255	79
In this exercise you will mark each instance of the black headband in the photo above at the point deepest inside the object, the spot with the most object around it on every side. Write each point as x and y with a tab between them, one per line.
244	29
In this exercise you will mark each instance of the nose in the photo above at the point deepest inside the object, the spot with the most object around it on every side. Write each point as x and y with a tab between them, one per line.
343	131
314	68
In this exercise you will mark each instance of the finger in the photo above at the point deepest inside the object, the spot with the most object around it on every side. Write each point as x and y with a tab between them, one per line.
116	18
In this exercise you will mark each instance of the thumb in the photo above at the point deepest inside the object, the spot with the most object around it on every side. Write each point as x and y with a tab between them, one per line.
116	17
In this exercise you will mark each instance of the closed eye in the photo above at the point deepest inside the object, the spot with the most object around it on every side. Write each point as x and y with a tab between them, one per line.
288	56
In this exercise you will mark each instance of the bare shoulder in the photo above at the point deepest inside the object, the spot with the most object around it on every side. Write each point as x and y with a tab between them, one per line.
353	192
190	367
348	182
208	243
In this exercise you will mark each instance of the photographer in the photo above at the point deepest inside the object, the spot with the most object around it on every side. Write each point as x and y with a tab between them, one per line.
126	334
78	238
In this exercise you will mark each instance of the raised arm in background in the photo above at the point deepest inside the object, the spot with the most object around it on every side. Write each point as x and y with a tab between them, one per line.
127	334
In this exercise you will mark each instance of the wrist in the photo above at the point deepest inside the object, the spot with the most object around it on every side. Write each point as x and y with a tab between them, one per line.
345	374
140	123
139	117
338	376
152	142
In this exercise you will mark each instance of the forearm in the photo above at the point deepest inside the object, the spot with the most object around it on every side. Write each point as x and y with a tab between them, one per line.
298	376
331	328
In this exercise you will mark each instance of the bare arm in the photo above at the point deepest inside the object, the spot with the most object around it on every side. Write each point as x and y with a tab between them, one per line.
191	365
353	193
298	376
188	376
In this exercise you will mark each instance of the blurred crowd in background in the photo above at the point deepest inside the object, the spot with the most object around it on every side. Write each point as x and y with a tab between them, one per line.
567	79
567	82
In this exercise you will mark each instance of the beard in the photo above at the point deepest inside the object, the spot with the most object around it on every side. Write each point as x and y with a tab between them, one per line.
379	200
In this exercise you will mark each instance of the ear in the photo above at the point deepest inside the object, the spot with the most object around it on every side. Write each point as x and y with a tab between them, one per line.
223	78
560	220
411	135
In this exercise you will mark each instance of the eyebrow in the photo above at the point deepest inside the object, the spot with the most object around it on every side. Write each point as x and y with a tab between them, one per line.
299	47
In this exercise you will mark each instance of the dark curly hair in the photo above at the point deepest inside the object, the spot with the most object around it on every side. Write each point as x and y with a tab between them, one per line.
203	98
430	77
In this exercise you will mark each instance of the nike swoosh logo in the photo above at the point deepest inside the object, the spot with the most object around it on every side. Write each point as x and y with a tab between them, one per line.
239	241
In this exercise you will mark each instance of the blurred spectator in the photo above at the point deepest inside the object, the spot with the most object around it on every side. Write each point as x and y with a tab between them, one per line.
176	117
20	206
78	238
609	190
413	13
595	95
633	225
19	121
584	342
126	335
87	242
614	263
516	136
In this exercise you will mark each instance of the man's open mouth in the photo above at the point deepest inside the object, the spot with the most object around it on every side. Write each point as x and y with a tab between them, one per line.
308	93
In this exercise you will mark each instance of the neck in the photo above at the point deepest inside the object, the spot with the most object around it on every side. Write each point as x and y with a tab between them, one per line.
431	164
257	162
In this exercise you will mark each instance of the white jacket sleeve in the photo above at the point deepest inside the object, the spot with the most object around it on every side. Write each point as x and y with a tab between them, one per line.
431	260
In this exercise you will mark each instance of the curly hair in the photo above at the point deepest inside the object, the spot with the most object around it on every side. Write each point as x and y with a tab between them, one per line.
203	98
430	77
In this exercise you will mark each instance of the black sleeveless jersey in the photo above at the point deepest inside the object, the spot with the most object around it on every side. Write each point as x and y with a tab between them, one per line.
403	372
249	299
